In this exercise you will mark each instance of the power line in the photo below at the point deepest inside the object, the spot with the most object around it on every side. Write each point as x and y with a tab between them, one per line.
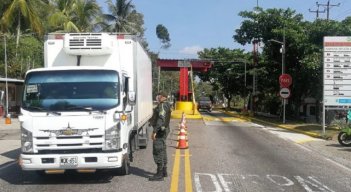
341	14
328	6
317	11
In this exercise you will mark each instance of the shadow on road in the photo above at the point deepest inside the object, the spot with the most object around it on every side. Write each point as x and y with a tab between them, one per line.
14	154
140	172
14	175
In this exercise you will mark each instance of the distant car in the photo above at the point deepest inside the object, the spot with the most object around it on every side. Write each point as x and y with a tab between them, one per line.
204	103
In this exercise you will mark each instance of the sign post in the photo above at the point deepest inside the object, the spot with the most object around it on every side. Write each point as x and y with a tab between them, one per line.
285	81
284	93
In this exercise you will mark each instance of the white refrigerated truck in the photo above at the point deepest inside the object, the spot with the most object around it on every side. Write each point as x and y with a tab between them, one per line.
88	108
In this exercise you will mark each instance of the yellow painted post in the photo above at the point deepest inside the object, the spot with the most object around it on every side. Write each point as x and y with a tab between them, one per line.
192	88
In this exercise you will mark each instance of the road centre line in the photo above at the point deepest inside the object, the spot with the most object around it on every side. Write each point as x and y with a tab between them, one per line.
8	165
175	174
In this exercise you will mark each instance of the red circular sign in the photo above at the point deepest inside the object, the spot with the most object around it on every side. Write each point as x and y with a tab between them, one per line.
285	80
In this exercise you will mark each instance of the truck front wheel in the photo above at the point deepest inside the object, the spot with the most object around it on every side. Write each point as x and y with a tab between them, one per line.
124	170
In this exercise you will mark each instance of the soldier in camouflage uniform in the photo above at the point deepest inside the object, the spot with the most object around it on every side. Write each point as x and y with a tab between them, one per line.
161	118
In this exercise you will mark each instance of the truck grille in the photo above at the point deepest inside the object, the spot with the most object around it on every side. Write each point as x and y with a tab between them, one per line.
71	151
61	144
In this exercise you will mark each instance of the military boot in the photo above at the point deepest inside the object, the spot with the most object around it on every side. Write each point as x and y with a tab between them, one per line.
165	174
158	176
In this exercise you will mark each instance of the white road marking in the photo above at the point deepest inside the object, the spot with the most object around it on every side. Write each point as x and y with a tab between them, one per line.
305	148
225	183
214	180
233	180
317	184
288	181
338	164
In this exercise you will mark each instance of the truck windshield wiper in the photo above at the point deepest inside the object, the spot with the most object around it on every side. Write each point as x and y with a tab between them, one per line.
44	110
90	109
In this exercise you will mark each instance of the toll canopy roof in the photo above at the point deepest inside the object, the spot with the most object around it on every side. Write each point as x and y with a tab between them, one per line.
176	64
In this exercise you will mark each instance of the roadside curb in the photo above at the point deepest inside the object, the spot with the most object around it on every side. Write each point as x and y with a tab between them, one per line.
234	115
269	123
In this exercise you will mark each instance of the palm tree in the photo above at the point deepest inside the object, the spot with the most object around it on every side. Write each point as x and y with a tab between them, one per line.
63	16
120	16
75	15
86	12
18	11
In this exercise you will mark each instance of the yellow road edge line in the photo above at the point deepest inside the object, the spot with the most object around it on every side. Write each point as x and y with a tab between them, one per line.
175	174
306	140
188	182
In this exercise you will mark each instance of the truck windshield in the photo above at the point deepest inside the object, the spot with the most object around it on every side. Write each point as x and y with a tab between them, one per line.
71	90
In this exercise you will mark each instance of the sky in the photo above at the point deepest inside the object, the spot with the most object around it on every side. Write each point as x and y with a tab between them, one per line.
197	24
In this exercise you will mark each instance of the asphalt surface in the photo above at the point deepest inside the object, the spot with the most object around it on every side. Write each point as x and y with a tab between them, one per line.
224	154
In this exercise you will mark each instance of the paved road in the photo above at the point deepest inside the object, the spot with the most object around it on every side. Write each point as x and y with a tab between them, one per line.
223	155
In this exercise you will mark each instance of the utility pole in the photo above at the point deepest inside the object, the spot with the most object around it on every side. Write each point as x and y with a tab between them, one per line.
318	11
328	7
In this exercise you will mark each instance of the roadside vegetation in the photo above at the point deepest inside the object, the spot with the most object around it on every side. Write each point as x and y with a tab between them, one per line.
23	25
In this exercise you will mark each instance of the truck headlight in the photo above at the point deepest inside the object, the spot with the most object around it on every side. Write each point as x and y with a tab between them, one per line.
112	137
26	141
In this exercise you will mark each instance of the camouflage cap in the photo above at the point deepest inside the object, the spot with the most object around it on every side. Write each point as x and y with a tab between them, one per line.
163	93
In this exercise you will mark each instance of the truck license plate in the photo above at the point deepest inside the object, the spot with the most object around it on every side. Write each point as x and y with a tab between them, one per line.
69	161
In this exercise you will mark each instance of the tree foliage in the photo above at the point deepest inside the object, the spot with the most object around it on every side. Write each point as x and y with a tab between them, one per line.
304	50
163	36
228	71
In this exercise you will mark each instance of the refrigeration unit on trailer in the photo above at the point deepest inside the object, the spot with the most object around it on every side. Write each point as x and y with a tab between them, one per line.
89	107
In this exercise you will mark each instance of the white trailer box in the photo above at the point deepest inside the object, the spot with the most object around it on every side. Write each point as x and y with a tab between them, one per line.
88	108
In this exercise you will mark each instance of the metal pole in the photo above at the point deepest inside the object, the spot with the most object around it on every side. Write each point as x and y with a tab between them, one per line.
159	68
7	88
158	84
245	87
283	71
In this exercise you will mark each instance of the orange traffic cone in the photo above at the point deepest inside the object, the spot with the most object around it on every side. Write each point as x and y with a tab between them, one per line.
183	125
182	131
182	144
183	117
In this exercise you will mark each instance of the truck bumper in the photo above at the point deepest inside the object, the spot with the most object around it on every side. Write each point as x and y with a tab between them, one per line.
32	162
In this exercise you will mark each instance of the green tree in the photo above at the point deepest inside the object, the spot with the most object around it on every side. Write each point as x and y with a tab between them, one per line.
227	74
121	17
22	11
304	44
163	36
30	55
86	11
74	15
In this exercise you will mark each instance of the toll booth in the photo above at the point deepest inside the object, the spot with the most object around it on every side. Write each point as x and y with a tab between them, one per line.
184	97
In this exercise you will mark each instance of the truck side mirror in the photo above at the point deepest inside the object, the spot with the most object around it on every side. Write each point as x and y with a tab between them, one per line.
131	98
2	96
